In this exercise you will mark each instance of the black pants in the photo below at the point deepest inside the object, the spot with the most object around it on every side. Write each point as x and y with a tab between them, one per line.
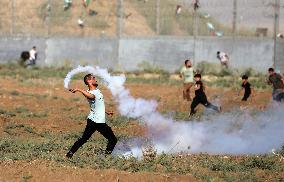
246	96
201	100
278	97
91	127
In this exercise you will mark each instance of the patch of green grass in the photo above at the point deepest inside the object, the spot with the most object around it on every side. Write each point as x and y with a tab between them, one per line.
153	81
14	93
42	114
78	117
118	121
7	113
204	167
24	112
146	67
264	163
55	97
35	72
75	99
208	68
37	96
182	116
10	129
26	177
21	109
68	108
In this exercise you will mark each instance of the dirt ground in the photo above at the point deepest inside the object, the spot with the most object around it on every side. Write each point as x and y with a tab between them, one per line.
40	96
48	171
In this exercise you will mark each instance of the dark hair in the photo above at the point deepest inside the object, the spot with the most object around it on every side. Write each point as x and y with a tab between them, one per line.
185	62
25	55
197	75
86	78
218	52
34	47
244	77
271	69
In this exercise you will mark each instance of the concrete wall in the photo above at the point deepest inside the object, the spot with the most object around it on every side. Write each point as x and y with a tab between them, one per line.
279	63
170	52
11	48
249	52
74	51
165	52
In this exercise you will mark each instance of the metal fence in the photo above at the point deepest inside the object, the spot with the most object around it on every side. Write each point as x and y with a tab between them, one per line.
112	18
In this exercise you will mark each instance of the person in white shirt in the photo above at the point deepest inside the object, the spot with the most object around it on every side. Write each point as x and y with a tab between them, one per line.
187	74
223	58
178	10
96	118
33	56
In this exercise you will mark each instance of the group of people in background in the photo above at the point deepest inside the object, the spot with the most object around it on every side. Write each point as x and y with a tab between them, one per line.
28	58
191	78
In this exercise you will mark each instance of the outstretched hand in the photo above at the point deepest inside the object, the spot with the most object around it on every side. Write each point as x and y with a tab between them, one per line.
73	90
110	113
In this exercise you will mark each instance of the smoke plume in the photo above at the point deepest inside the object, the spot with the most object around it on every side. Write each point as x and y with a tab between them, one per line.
227	133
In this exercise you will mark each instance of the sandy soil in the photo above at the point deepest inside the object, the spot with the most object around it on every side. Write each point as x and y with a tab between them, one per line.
48	171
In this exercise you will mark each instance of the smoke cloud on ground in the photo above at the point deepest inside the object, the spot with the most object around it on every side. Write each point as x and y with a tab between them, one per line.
227	133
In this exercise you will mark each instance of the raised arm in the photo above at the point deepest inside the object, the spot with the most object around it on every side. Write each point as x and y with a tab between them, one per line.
85	93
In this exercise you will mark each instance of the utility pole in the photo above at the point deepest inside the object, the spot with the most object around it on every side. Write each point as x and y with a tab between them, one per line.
119	19
195	31
234	28
48	17
276	29
157	17
12	31
119	31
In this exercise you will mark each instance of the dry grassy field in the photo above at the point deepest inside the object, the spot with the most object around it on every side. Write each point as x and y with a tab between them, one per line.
40	120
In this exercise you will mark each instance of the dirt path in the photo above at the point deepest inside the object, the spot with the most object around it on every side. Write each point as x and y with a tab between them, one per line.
49	171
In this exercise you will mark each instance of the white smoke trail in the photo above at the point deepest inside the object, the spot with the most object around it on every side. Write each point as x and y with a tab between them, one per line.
226	133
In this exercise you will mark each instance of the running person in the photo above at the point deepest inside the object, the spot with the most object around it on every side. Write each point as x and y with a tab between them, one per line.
200	97
187	73
277	82
223	58
96	118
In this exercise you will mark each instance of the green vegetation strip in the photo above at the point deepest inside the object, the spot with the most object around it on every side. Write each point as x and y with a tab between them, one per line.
221	77
52	147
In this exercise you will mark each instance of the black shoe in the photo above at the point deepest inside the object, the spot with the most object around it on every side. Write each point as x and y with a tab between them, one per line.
191	113
69	155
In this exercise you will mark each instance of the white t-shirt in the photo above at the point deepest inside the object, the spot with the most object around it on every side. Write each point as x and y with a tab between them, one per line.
223	57
97	105
32	54
188	74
